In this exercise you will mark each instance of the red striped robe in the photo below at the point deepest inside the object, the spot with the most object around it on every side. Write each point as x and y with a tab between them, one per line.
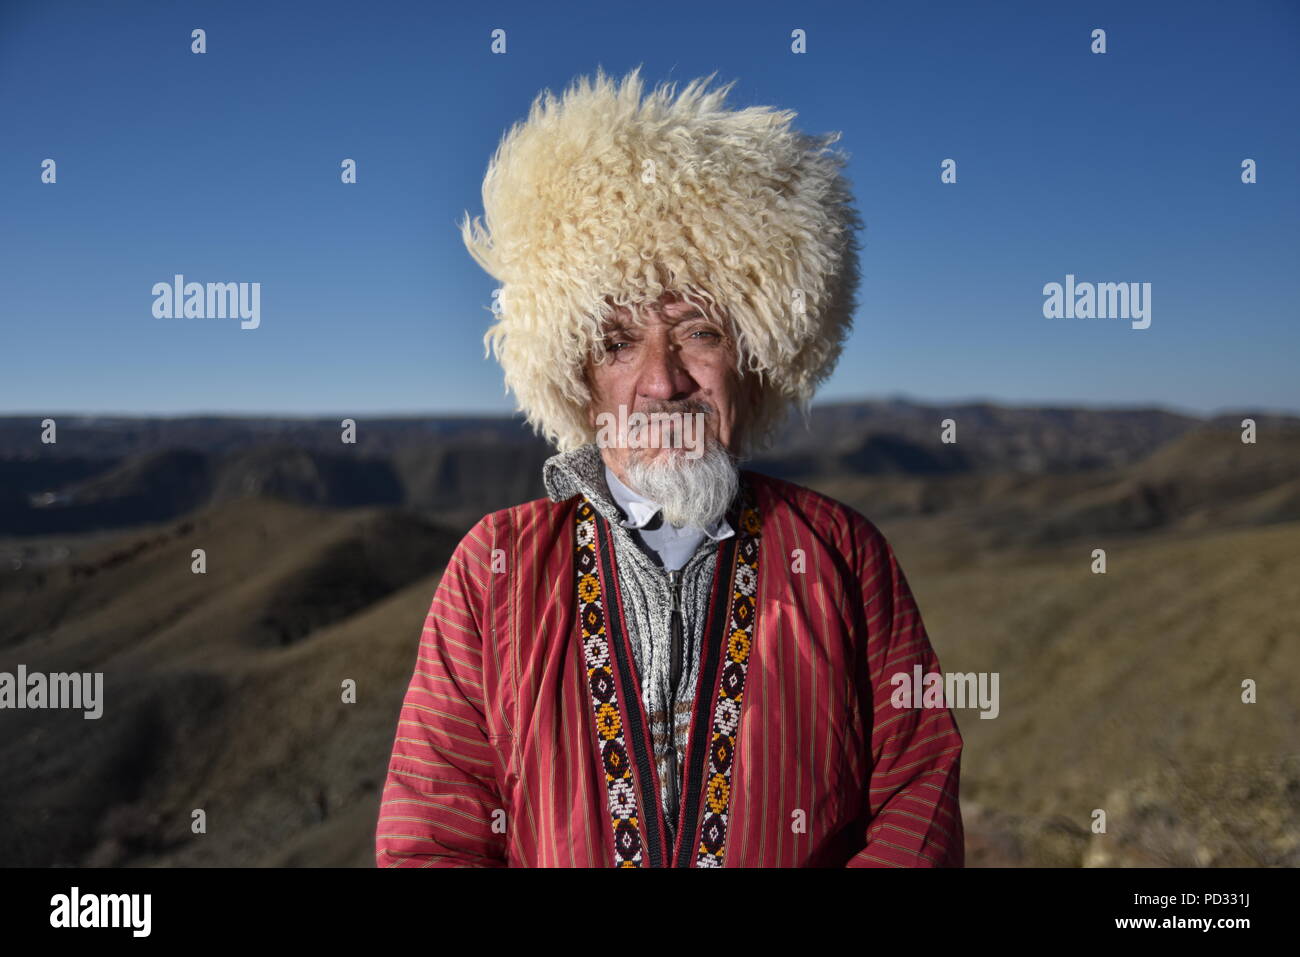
496	761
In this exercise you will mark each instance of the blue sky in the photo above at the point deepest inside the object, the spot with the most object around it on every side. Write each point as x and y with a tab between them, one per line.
225	167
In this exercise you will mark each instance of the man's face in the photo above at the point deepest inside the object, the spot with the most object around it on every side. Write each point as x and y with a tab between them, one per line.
679	359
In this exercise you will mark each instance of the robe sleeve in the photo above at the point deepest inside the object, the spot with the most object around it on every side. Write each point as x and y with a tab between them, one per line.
913	816
441	806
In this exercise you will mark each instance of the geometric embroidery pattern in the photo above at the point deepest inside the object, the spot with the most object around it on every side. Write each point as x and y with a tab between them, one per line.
604	696
726	716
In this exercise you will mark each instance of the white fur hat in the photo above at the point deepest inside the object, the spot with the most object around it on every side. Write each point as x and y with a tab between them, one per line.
601	194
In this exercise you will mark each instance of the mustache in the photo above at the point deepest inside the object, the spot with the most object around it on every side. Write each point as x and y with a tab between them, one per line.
703	414
670	406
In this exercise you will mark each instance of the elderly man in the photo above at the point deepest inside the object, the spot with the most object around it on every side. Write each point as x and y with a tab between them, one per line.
670	661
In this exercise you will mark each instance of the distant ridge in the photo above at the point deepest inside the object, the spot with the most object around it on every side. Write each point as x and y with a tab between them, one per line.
115	471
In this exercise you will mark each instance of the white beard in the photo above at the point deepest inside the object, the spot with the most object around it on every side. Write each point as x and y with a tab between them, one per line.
690	491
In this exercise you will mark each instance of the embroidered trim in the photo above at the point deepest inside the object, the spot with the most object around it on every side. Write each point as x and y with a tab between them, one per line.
731	690
604	696
609	719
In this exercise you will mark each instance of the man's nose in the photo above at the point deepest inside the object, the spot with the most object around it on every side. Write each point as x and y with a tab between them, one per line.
663	374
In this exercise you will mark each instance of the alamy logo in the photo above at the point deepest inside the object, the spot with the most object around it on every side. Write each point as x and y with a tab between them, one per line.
1103	300
58	690
952	690
102	910
214	300
651	430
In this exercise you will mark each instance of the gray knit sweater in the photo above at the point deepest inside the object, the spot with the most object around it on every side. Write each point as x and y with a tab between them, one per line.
647	603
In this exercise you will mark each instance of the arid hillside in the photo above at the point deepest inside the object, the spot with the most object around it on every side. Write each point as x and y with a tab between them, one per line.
1119	692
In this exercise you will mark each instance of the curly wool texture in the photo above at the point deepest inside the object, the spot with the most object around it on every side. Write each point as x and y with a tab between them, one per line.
604	196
